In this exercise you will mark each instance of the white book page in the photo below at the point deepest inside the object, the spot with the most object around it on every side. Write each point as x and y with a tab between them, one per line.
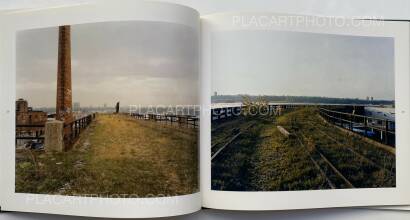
397	207
239	62
121	38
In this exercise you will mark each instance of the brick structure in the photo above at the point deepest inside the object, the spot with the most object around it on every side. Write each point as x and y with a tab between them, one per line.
64	111
29	122
64	94
26	116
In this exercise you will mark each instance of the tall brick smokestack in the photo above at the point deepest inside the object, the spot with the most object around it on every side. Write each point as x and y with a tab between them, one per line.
64	95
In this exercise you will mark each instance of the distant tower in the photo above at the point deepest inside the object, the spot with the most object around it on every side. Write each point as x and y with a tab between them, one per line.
64	94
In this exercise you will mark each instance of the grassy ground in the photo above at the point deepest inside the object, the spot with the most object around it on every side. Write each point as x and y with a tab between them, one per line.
263	159
231	169
223	131
116	155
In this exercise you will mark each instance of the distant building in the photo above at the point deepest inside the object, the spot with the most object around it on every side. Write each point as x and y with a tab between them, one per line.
215	94
26	116
76	106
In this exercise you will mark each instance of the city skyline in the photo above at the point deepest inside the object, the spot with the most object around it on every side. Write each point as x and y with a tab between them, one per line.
369	98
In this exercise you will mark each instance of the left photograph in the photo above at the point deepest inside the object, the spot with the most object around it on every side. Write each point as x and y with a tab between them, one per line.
107	109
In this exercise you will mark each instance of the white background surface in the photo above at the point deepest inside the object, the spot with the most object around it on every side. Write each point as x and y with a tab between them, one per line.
386	9
389	9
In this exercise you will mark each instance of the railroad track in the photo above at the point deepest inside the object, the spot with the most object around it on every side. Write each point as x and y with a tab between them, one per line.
339	167
350	148
222	127
243	123
325	172
361	156
319	155
232	139
326	168
229	131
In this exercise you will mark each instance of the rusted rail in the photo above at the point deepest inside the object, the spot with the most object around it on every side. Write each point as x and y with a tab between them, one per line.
334	169
77	126
322	172
349	148
230	141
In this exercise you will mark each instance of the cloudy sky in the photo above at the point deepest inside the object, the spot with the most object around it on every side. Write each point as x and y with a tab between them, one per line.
137	63
303	64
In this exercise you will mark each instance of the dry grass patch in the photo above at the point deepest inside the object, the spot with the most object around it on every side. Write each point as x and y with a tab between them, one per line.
118	155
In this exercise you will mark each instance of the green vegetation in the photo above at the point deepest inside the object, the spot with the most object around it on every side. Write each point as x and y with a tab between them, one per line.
263	159
251	107
116	155
233	173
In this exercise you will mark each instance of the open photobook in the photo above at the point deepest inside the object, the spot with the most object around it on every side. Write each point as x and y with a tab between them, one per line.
146	109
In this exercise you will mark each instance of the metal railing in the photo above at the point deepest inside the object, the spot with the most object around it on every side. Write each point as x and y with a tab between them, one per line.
29	132
379	129
36	132
181	120
73	130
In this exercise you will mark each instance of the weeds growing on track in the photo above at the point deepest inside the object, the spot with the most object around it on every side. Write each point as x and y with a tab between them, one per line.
262	159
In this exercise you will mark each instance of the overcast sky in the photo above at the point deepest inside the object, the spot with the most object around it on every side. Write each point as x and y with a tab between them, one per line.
137	63
302	64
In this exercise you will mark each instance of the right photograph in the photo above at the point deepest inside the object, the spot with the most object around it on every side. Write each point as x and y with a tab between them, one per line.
295	111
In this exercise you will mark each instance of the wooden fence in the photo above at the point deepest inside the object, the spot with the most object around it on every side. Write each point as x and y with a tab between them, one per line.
381	130
180	120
